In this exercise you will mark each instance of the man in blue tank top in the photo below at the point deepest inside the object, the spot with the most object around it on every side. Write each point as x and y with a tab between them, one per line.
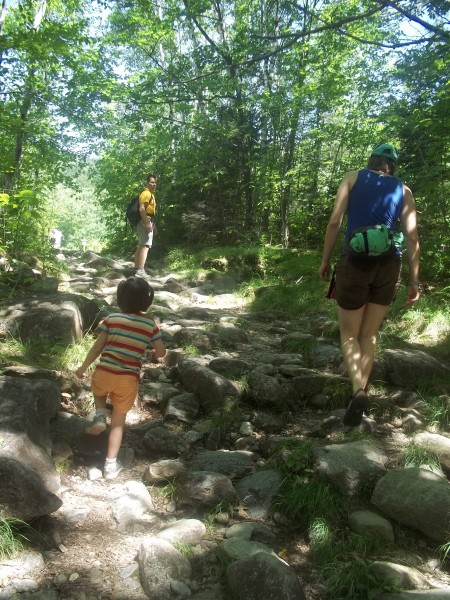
366	288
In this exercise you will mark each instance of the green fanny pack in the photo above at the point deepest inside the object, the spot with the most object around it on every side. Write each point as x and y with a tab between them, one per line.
374	241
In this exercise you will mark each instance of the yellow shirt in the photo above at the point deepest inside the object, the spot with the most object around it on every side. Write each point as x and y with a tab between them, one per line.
147	196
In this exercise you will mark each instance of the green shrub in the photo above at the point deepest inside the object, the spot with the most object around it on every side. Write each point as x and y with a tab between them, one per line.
11	540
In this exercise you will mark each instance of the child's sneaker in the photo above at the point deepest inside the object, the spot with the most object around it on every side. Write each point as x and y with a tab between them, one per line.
98	425
111	470
141	273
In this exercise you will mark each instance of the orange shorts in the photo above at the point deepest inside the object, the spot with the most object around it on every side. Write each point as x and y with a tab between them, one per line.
121	389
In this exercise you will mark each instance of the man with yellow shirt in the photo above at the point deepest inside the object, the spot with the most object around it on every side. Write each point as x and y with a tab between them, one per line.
146	226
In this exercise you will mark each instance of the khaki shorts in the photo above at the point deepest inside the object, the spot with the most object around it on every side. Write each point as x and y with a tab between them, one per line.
359	281
121	389
145	237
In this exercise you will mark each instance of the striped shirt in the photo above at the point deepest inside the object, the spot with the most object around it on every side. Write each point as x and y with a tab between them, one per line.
129	335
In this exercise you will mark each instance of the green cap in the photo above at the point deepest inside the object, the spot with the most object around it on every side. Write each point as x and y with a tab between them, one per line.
385	150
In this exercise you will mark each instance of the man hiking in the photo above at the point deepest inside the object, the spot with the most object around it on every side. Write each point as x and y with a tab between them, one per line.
146	226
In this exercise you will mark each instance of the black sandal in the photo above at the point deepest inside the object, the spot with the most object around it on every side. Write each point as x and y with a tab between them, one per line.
355	410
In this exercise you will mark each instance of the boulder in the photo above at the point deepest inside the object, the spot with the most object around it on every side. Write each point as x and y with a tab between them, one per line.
409	368
27	472
417	498
60	317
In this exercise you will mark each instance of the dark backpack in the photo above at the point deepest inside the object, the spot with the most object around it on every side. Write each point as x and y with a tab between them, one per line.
132	213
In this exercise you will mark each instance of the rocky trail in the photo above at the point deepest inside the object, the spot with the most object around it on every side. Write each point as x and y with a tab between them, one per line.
206	450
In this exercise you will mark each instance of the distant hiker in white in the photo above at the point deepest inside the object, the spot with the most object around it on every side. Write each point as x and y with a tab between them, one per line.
56	237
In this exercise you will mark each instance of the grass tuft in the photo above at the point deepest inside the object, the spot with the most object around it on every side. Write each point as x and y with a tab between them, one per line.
11	541
184	548
437	411
190	350
301	495
415	456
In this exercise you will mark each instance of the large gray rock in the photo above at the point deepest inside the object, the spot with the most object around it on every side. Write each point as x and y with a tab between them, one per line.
28	475
95	261
371	524
182	407
417	498
163	470
231	334
188	531
200	338
257	491
409	368
160	441
233	463
436	594
310	382
205	489
233	368
397	575
60	317
263	577
270	391
350	466
438	445
159	564
211	388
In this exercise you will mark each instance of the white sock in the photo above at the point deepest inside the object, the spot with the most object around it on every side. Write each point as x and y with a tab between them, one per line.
111	461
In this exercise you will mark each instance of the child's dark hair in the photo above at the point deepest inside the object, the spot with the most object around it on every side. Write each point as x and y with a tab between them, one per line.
134	295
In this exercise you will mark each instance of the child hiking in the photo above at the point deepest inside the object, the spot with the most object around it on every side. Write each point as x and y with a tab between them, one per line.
123	339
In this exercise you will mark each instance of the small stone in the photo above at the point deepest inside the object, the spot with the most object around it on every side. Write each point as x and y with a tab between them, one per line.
246	428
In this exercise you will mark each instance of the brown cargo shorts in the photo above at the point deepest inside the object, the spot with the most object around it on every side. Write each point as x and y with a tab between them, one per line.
359	281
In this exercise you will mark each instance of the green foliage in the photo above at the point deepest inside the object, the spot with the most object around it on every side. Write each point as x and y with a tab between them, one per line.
275	279
37	352
228	417
210	520
321	540
185	549
63	466
342	557
294	456
426	324
301	345
351	578
190	349
11	540
195	262
437	411
242	384
444	551
79	213
73	355
44	353
415	456
343	560
302	495
338	393
305	498
167	491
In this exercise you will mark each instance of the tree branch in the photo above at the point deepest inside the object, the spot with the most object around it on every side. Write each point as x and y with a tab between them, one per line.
418	20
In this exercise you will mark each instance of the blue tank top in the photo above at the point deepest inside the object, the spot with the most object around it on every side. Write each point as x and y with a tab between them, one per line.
375	199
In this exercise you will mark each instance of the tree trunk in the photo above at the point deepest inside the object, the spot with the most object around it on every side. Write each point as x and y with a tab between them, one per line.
12	175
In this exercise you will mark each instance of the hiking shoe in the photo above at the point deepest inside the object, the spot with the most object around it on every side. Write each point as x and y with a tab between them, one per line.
98	425
111	470
355	410
141	273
